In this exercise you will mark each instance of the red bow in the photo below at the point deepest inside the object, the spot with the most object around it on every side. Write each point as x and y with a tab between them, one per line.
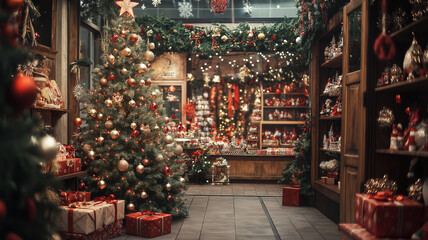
147	212
110	199
387	195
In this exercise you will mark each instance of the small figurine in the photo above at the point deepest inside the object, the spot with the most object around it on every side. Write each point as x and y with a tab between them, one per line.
393	140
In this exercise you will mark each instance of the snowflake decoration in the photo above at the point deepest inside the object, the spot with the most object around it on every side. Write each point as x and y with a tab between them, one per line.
248	8
79	92
185	9
143	6
156	2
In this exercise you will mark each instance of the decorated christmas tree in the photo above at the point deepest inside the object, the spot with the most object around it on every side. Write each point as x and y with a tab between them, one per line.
124	140
25	212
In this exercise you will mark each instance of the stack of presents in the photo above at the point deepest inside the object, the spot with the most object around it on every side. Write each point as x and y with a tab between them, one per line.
81	218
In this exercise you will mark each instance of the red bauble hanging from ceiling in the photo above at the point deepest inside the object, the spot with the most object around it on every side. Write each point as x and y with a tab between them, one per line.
219	6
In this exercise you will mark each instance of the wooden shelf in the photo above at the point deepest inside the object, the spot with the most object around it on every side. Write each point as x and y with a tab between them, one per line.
335	62
331	118
418	84
50	109
331	191
295	107
71	175
285	94
403	153
284	122
329	150
405	34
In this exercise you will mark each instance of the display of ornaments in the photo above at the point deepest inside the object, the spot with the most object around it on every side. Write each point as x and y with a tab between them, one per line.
140	168
334	49
334	86
122	165
114	37
92	112
114	134
261	36
101	184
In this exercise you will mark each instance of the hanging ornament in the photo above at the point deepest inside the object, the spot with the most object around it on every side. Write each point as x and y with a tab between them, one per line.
111	77
108	102
169	198
23	91
159	158
178	150
248	8
219	6
142	68
146	162
135	133
156	2
224	38
122	165
148	82
123	32
166	170
114	134
131	82
153	106
132	103
152	46
386	118
82	186
30	208
100	139
142	82
143	195
77	121
153	94
101	184
103	81
114	37
384	47
100	116
91	154
124	71
126	6
133	38
109	124
133	125
168	187
48	147
168	139
156	127
166	120
87	148
79	92
127	52
140	168
261	36
182	180
130	207
111	58
185	9
149	55
299	40
92	112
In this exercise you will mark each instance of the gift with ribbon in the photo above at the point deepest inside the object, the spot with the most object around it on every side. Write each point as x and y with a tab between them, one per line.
75	196
291	196
70	151
386	215
148	224
353	231
114	209
69	165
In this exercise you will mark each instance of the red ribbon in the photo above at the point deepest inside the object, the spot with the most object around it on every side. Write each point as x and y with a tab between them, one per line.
147	212
386	195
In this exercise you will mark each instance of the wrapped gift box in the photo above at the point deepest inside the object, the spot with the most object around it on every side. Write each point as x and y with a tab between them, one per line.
70	165
84	219
71	197
114	229
291	196
389	218
113	211
353	231
148	224
100	234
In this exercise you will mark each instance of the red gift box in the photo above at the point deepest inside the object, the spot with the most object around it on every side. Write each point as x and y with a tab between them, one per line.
389	218
291	196
70	165
71	197
114	229
70	151
100	234
148	224
353	231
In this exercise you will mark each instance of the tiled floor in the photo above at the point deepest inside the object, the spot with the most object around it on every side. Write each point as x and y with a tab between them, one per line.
246	211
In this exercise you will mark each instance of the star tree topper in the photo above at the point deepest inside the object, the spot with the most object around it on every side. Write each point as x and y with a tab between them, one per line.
126	6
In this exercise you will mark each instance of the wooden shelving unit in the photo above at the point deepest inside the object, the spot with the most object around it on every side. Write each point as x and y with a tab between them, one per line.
418	27
417	85
332	191
335	62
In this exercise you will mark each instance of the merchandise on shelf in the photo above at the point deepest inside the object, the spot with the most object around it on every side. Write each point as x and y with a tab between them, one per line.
279	138
333	86
331	169
203	121
334	49
328	109
333	141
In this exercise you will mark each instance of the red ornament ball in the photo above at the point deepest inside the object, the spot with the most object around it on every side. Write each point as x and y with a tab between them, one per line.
114	37
12	236
135	133
82	186
169	198
30	209
3	210
407	110
398	98
23	91
131	82
77	121
146	162
153	106
149	65
219	6
166	170
277	91
133	37
111	77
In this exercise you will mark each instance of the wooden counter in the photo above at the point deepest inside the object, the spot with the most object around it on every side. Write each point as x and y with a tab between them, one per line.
254	167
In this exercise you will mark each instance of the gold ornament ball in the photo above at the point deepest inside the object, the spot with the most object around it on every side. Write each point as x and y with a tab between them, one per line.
48	147
182	180
142	68
127	52
78	121
111	58
131	82
146	162
114	134
159	158
122	165
87	148
133	37
124	71
166	120
139	168
132	103
153	94
152	46
130	207
100	116
91	154
168	187
149	55
178	150
261	36
123	32
143	195
133	125
100	139
224	38
92	112
101	184
142	82
108	102
103	81
168	139
250	35
156	127
109	124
